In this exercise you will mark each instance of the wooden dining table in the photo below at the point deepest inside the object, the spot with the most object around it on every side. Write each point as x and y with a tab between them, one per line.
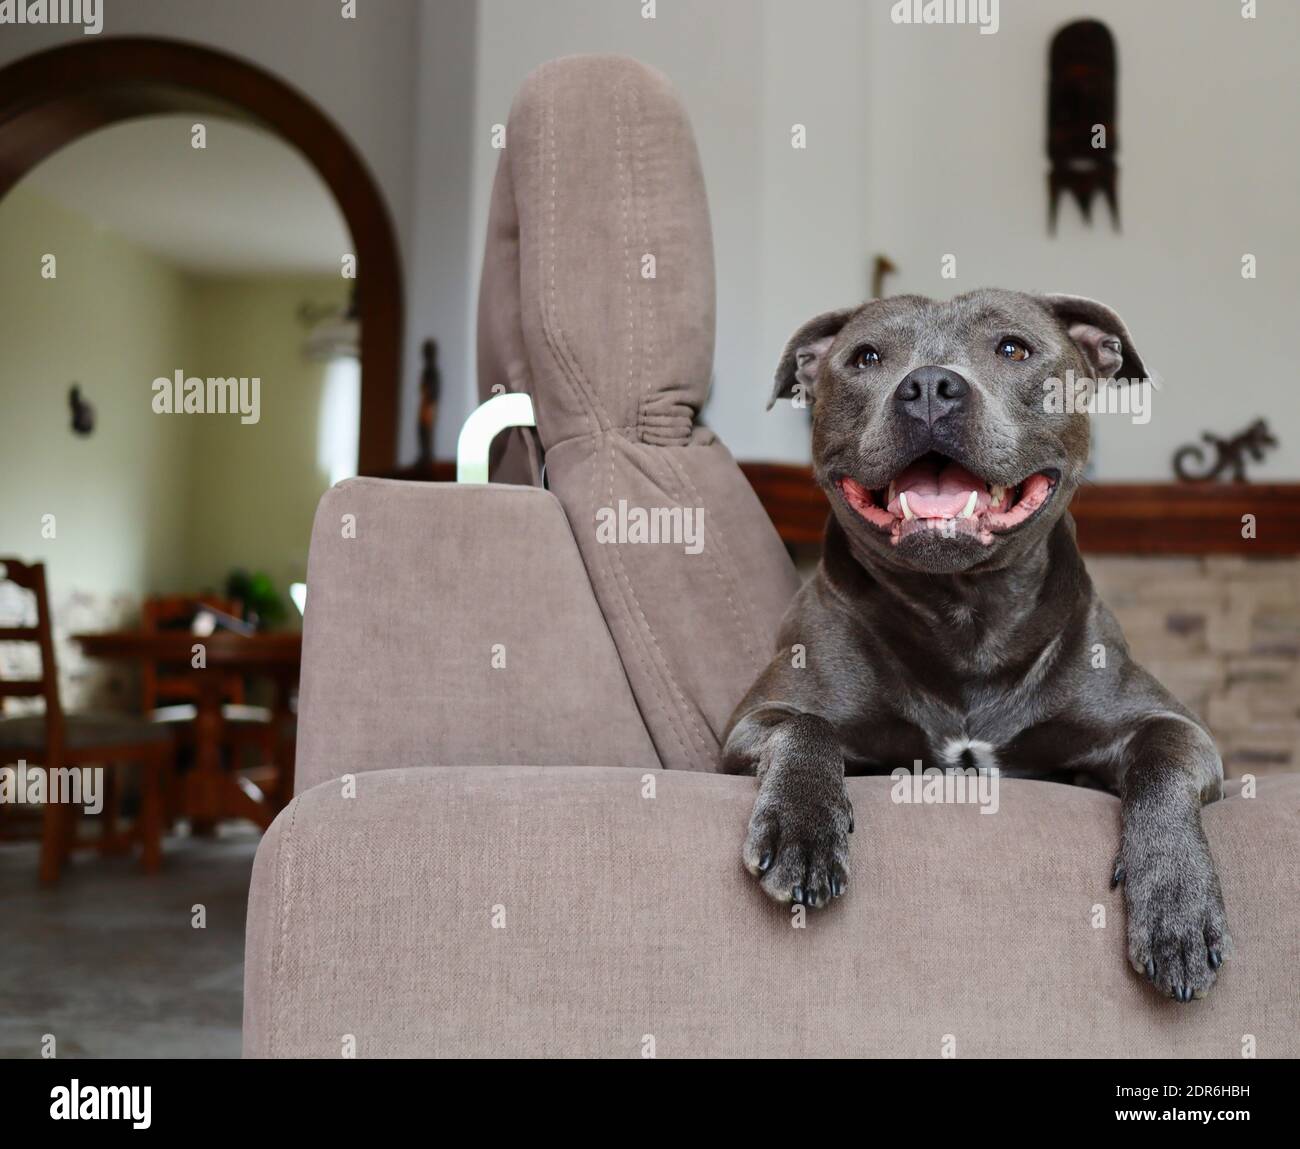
211	792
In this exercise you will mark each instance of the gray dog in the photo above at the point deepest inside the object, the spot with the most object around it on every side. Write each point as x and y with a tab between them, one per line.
951	619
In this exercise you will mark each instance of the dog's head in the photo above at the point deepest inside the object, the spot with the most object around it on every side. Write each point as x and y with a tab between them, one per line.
938	430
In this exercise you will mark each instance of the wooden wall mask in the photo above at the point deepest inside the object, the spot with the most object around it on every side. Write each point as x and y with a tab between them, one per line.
1082	141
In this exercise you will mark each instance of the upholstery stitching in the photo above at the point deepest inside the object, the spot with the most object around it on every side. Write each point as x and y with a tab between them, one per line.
284	896
730	578
595	602
660	663
570	372
617	567
625	198
648	348
637	189
569	366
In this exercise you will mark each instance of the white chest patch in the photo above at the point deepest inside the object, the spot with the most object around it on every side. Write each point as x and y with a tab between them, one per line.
982	754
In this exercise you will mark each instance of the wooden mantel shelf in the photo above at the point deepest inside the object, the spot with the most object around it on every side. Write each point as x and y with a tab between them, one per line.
1113	518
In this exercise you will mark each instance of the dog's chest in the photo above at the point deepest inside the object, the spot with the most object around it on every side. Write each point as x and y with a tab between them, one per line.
978	727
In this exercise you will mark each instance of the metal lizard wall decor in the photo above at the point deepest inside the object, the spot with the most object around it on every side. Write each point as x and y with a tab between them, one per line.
1230	454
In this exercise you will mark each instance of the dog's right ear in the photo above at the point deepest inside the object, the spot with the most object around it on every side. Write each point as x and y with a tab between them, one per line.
801	362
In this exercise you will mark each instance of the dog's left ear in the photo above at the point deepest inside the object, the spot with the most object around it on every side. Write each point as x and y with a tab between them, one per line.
1100	334
801	361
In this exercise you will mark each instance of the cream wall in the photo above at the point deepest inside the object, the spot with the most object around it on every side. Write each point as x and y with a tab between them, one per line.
253	488
112	319
149	503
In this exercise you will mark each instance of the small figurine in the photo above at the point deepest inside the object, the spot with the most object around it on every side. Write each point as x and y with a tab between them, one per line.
1230	454
83	414
430	389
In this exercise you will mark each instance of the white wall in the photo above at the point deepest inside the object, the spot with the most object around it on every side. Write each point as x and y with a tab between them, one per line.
1209	170
929	140
747	70
441	283
816	201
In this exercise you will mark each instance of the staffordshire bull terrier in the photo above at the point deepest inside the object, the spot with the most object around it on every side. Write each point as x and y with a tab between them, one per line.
951	619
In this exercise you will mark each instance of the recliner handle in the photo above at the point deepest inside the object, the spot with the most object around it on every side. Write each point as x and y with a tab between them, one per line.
485	422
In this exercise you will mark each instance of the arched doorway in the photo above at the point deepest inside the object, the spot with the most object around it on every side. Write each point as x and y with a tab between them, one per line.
49	99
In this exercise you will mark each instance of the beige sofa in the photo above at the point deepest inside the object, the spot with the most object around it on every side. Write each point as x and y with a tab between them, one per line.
509	836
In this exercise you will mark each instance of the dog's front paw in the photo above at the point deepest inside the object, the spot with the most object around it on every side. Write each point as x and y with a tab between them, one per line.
1177	928
798	841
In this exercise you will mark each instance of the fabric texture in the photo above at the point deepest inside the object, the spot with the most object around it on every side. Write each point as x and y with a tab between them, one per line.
528	912
454	624
598	296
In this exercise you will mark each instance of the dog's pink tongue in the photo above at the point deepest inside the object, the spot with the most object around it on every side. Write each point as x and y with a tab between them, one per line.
937	494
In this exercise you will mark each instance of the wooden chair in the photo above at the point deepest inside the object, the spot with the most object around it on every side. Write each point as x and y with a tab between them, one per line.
169	698
61	743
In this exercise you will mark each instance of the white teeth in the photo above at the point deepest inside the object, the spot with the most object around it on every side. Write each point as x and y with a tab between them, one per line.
996	495
969	509
907	511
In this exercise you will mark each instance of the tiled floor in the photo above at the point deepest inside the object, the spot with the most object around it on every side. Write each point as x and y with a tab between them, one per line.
109	962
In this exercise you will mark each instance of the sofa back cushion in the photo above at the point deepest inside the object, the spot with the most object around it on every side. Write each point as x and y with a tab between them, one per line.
428	642
599	298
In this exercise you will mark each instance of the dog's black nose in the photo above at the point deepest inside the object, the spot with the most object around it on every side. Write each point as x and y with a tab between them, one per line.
930	393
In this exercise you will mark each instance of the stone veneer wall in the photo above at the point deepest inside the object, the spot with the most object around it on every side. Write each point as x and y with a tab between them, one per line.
84	683
1223	634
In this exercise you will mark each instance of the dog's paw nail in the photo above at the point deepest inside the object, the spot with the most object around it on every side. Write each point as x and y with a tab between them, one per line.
1151	970
1118	875
1215	959
765	861
851	821
837	888
796	895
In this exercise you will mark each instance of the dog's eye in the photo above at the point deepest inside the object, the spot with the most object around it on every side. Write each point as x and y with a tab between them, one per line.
1013	349
863	357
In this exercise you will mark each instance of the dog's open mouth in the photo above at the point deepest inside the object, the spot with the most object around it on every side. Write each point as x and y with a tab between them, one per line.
936	493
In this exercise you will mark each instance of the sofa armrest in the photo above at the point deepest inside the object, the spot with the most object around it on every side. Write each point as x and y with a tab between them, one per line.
518	911
453	623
